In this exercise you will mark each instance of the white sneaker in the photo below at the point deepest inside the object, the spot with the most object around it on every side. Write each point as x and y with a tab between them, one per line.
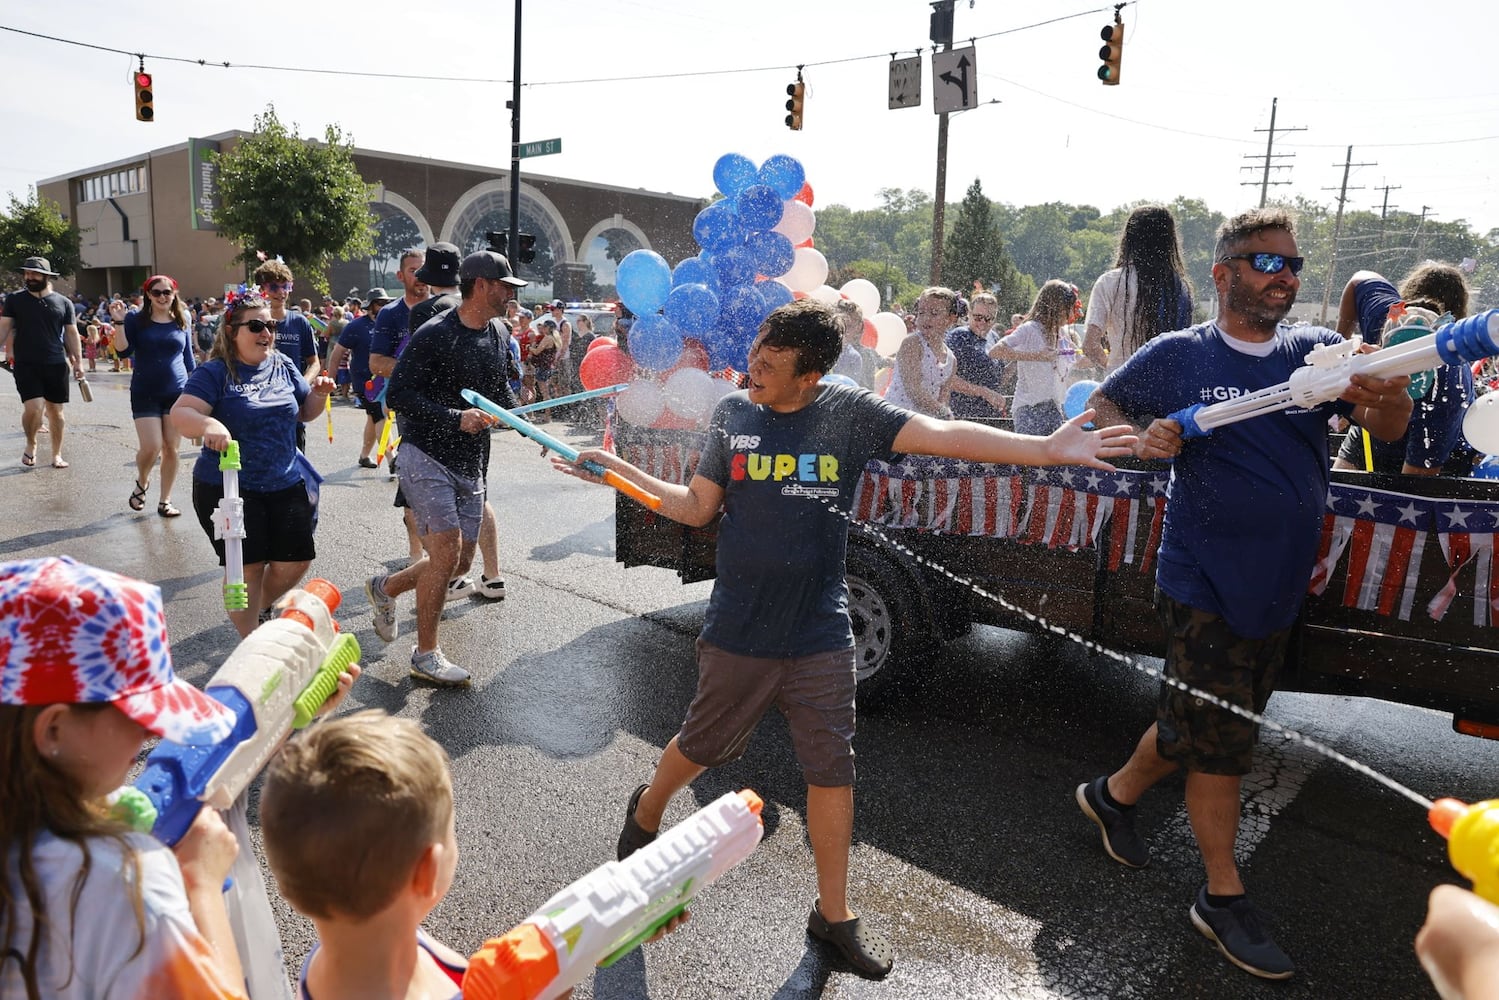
458	588
437	669
383	609
491	587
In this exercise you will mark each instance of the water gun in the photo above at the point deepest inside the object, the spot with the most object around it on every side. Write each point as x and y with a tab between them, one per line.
567	451
274	682
229	525
1472	834
611	910
546	404
1325	375
328	409
390	419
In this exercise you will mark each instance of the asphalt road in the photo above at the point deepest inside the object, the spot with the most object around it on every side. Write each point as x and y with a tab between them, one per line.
968	848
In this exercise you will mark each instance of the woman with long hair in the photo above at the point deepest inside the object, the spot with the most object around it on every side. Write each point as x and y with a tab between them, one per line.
1045	353
1147	293
926	371
249	392
160	339
89	908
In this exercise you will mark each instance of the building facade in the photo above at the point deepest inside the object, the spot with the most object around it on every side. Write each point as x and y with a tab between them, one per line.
153	214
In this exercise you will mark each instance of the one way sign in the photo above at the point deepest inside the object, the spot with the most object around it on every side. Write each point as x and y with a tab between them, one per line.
955	80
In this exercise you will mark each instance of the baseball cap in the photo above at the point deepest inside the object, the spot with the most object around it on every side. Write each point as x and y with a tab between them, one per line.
440	268
558	304
74	634
491	266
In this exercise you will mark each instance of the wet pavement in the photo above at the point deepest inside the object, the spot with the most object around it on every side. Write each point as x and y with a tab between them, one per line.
968	848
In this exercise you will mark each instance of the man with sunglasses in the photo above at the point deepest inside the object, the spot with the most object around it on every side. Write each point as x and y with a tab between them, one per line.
966	341
39	333
1240	537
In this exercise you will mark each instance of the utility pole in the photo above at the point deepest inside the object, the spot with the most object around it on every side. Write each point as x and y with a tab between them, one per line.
1337	228
514	105
1270	155
1420	227
1384	213
941	33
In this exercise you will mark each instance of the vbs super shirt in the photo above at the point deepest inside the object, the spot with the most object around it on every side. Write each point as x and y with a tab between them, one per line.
1245	503
789	482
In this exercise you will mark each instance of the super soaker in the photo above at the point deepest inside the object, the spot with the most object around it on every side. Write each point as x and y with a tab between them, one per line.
1472	834
1325	375
612	909
274	682
229	525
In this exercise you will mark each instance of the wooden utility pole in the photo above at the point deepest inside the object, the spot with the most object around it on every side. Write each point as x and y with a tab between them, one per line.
1337	229
941	34
1384	213
1270	155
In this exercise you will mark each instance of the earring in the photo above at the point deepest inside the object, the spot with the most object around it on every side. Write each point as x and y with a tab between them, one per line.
56	752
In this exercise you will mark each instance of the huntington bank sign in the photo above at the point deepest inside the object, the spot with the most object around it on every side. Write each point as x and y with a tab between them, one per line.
203	177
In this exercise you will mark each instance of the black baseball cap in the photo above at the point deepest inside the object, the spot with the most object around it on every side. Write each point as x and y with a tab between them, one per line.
490	265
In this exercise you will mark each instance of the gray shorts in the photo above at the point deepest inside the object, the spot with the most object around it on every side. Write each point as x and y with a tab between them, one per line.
440	500
815	693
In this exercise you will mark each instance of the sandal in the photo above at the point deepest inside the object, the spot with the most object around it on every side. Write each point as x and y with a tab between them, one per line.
633	837
165	509
138	496
868	951
28	459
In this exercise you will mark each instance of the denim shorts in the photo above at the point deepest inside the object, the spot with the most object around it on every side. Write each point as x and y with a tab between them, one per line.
440	500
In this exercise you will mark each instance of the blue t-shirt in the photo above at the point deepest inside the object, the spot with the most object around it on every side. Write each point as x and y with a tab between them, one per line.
261	411
391	327
1246	502
780	589
294	338
1437	419
355	338
973	365
163	354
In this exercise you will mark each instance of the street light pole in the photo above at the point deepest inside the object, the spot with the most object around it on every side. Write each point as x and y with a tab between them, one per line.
514	241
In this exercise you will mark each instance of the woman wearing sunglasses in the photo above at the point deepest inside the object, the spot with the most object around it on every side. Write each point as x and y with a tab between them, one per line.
249	392
159	339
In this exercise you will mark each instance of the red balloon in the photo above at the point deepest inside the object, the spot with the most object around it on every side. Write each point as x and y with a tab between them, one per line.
798	295
805	195
694	355
600	342
806	242
604	367
871	336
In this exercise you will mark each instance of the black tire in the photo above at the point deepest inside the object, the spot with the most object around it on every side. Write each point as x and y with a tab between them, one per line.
889	634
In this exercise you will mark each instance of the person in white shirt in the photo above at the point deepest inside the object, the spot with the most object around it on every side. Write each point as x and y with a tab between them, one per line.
1147	292
1045	353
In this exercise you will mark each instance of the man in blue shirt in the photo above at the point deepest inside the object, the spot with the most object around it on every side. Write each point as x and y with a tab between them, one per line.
354	340
1240	536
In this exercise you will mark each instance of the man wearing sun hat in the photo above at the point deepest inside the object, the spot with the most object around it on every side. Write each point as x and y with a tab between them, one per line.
39	331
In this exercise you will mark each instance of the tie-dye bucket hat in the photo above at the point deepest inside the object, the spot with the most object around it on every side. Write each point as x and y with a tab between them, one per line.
73	634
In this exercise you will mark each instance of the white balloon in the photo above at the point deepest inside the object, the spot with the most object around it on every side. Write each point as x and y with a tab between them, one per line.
864	294
641	404
690	394
809	271
1481	423
798	222
826	294
890	330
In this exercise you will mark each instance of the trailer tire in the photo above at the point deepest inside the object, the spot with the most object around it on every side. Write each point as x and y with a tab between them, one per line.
889	636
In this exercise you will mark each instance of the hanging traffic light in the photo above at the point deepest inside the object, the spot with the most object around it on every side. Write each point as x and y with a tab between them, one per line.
1112	52
525	252
798	93
144	112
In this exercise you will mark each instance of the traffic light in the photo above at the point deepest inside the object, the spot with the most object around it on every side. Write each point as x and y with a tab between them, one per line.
1112	52
526	253
798	93
144	112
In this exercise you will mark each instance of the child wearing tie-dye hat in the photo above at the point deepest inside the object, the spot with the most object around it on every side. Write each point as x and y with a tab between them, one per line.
90	909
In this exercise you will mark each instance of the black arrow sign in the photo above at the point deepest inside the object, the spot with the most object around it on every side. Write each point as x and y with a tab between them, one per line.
961	80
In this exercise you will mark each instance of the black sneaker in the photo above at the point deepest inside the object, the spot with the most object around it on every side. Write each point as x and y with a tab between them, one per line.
1120	840
632	838
1238	930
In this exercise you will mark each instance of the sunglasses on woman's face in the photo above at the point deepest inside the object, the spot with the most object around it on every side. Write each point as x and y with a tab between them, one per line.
162	293
259	325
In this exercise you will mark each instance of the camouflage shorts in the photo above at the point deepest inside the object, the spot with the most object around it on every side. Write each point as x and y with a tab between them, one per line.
1203	652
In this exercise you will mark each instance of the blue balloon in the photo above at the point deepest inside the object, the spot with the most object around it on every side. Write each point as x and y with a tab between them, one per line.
782	174
1488	468
729	349
693	309
775	295
759	208
735	266
741	309
643	281
653	342
717	226
693	271
772	253
1076	400
733	173
836	379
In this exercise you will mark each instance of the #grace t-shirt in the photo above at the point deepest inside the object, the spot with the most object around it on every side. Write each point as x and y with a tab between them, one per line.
789	482
39	326
1245	502
261	411
163	354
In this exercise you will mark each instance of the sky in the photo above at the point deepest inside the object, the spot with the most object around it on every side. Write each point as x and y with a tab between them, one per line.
1197	81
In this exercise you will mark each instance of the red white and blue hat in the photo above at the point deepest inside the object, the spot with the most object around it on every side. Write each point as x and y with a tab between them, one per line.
73	634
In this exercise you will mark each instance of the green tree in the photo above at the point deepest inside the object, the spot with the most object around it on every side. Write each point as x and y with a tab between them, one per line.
972	249
36	228
297	198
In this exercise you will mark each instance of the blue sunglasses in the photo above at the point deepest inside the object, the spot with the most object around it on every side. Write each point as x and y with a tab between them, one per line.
1268	263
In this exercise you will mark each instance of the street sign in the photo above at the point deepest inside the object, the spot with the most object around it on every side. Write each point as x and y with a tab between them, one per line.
543	148
955	80
905	83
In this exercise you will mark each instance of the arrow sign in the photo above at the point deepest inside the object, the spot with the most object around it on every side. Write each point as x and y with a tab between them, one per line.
905	83
954	80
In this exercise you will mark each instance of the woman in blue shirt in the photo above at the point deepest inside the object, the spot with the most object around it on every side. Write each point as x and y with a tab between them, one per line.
250	393
159	338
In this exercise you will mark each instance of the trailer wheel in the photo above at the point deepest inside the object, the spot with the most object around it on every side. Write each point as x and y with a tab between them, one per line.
888	635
